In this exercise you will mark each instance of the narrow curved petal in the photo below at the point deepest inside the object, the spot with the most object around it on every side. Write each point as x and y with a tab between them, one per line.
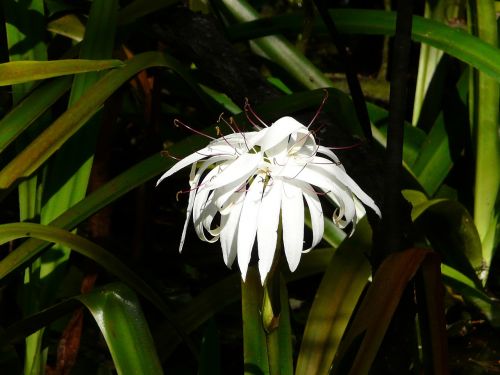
292	213
317	220
267	227
237	171
195	156
247	227
192	194
345	179
326	151
279	131
229	224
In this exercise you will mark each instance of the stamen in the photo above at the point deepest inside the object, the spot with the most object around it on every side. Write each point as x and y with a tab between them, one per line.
360	143
219	133
179	123
320	108
231	124
248	108
167	154
221	118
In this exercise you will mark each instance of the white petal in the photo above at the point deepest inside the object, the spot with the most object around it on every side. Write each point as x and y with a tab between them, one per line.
279	131
248	224
203	202
292	214
229	224
237	171
345	179
317	220
267	227
194	157
326	151
192	194
207	214
194	179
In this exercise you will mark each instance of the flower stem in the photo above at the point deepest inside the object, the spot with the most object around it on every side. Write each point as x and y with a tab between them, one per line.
254	336
273	352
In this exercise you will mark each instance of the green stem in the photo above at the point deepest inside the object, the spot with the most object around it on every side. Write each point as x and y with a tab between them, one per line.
273	352
254	337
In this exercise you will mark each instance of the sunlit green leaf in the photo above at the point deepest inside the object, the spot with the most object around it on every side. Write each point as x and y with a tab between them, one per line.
335	300
118	314
75	117
376	310
27	71
29	109
451	40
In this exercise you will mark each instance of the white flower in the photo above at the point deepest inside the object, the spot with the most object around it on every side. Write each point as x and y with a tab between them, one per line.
247	181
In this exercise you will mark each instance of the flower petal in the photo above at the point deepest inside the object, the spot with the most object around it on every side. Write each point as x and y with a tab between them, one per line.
192	194
345	179
237	171
198	155
316	211
292	214
267	227
229	224
248	224
326	151
279	131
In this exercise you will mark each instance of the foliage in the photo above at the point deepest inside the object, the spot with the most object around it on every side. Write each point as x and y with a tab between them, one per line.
89	90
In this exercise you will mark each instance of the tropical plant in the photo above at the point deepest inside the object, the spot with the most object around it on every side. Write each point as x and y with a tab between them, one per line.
90	93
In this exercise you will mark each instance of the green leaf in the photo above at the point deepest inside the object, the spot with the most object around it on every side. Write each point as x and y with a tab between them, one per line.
118	314
24	26
376	310
67	173
19	257
436	155
13	261
430	58
34	155
27	71
68	25
484	114
334	303
460	283
453	41
30	109
451	230
279	50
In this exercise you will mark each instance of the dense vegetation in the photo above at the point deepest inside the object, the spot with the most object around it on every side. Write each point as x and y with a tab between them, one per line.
92	280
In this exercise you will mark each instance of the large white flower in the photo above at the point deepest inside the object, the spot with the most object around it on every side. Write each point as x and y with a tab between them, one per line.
247	181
